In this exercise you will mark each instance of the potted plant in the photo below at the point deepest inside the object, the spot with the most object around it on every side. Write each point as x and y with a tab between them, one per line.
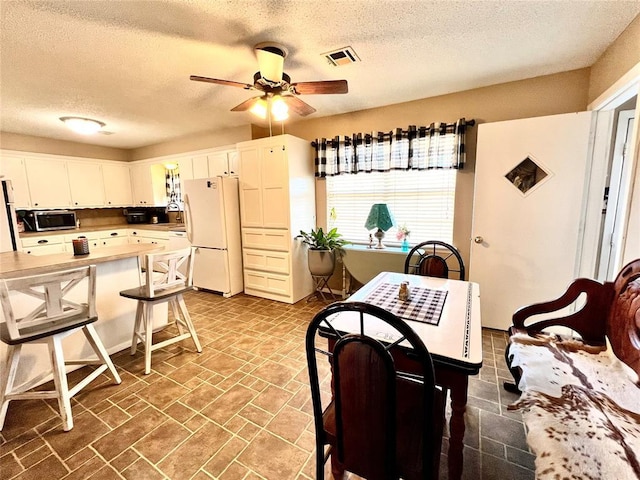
323	247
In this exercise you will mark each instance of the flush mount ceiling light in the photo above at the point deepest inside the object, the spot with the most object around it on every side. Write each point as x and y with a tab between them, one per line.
83	126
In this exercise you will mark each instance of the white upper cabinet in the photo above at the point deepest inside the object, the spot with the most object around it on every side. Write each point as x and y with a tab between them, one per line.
149	187
13	168
250	187
200	166
224	164
117	185
48	183
185	168
86	184
264	186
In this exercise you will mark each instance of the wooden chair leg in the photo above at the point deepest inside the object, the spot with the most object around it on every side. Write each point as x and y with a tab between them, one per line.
136	328
95	342
148	335
60	381
189	323
337	470
8	377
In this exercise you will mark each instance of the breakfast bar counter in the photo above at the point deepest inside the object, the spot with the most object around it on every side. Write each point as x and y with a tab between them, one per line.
18	264
117	268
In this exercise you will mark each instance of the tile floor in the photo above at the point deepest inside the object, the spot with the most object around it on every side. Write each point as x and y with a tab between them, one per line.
239	410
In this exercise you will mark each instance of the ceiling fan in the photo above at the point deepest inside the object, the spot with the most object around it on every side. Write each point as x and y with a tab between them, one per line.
275	84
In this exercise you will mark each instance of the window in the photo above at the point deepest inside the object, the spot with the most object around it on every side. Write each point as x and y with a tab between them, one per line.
421	200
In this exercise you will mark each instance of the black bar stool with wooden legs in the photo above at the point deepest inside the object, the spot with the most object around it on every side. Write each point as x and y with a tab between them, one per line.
164	282
53	317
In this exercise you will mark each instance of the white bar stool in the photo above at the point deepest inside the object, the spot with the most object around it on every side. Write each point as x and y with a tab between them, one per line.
164	282
55	318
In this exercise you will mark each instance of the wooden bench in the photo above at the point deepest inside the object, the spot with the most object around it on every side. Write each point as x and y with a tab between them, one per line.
580	398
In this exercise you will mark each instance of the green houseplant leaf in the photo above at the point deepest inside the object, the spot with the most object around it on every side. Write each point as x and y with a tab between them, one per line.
321	240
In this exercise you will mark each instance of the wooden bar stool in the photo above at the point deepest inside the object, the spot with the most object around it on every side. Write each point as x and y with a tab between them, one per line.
164	282
54	318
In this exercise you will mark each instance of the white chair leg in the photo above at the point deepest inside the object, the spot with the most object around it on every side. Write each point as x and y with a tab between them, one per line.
187	320
60	381
176	315
136	328
95	342
148	332
8	377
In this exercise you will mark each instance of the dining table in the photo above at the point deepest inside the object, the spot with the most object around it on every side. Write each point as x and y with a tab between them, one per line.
445	314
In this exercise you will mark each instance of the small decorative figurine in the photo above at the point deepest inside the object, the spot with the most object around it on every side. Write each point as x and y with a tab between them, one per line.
403	293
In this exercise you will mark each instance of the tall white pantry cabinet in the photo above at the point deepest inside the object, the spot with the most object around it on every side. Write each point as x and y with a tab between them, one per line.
277	200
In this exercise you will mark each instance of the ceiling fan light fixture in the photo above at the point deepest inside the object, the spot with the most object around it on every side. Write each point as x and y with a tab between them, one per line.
83	126
279	109
271	61
260	108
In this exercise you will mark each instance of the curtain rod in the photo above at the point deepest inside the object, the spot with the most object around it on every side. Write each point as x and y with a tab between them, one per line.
468	123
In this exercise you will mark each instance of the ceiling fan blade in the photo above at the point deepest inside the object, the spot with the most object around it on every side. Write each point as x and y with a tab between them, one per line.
229	83
321	87
298	106
246	105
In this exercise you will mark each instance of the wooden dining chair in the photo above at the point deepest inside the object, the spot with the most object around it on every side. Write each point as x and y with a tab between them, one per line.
48	320
434	258
384	416
164	282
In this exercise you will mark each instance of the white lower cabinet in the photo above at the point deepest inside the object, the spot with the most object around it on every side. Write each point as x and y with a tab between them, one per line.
272	285
63	242
277	262
100	238
43	245
148	236
114	237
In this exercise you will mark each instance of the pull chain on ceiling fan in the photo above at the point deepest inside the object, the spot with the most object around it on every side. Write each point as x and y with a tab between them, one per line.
276	86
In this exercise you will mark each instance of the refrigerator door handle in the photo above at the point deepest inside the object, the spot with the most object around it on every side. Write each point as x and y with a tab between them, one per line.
187	218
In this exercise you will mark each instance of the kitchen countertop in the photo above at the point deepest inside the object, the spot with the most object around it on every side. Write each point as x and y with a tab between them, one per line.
161	227
18	264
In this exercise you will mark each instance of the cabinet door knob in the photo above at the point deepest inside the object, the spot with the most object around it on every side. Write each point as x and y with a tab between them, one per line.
478	239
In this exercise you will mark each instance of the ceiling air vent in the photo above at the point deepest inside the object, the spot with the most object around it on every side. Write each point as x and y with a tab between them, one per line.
342	56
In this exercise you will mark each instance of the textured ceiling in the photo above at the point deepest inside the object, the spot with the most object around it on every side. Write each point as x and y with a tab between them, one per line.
127	63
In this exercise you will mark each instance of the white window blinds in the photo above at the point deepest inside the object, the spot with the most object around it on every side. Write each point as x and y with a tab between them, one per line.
421	200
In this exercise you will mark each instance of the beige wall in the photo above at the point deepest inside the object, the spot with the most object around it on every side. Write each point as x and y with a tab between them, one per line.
548	95
191	143
28	143
620	57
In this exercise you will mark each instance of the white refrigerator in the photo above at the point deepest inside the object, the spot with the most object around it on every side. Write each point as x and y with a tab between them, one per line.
212	221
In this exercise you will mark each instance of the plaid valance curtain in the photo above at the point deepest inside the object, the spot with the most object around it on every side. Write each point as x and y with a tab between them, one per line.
439	145
172	184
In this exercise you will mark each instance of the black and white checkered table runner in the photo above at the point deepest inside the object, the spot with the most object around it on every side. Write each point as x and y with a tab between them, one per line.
424	304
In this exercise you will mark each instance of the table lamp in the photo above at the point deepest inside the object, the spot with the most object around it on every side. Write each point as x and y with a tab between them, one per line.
379	217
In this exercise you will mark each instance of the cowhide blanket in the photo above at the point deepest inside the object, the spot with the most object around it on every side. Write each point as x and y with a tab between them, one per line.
581	407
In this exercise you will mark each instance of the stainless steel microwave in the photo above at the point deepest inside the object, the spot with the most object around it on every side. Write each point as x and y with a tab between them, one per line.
42	221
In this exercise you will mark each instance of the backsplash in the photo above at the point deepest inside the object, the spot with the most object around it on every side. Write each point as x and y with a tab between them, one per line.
100	217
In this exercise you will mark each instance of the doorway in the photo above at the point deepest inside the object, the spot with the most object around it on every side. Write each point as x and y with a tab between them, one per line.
615	194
